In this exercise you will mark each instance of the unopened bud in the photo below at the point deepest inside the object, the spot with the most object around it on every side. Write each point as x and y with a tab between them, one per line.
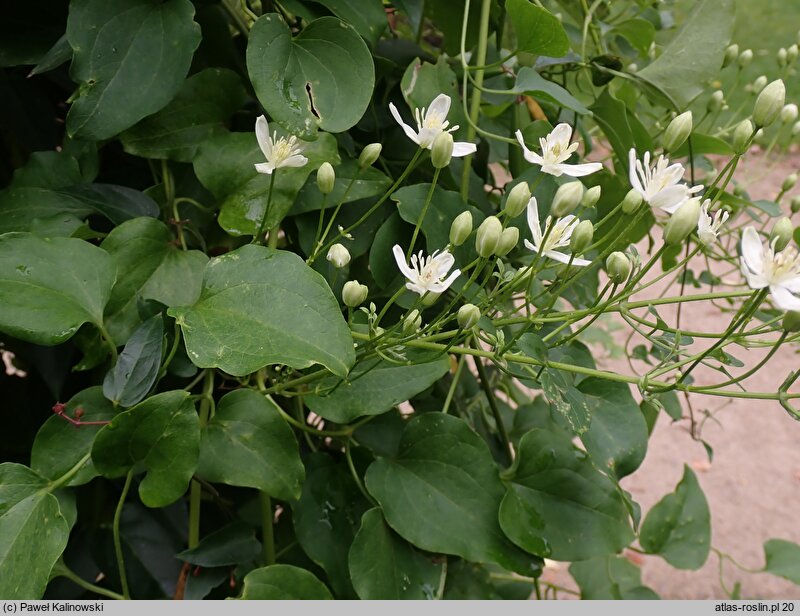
369	155
568	197
759	84
682	222
354	293
429	299
677	131
789	113
795	206
517	200
796	129
326	178
791	53
745	58
791	321
618	267
632	201
591	197
731	53
769	103
468	316
442	150
716	101
782	57
338	256
508	241
412	322
581	237
461	228
781	234
789	182
488	236
741	136
760	137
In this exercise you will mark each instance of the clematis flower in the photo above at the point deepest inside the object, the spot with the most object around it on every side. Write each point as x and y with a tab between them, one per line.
763	267
427	274
283	152
558	237
556	149
430	124
659	185
708	228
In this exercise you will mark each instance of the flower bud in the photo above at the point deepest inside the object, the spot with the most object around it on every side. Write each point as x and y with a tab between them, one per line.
338	256
412	322
468	316
442	150
677	131
618	267
796	129
716	101
591	196
369	155
791	321
632	201
682	222
568	197
731	53
461	228
517	200
745	58
508	241
782	57
429	299
354	293
759	136
791	53
781	234
741	136
488	236
789	113
759	84
581	237
769	103
789	182
795	206
326	178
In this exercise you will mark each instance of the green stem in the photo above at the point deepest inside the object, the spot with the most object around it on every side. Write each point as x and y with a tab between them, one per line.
195	488
452	390
753	370
422	214
498	418
64	571
258	237
123	577
267	530
336	210
112	347
56	484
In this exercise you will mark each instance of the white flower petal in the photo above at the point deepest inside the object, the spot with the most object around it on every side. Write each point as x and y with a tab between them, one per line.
400	259
531	157
562	133
533	221
410	132
442	286
632	174
297	160
784	298
671	198
463	148
263	138
752	251
754	280
267	168
577	171
440	106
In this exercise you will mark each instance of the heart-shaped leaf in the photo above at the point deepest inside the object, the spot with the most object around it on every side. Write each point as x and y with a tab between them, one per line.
283	583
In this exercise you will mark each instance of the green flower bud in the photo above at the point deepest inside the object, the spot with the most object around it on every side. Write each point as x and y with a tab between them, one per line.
568	197
354	293
759	84
581	237
677	131
468	316
791	53
461	228
412	322
759	137
682	222
618	267
442	150
326	178
796	129
769	103
716	101
632	201
789	113
745	58
741	135
338	256
795	206
731	53
508	241
781	234
591	196
791	321
782	57
517	200
789	182
369	155
429	299
488	236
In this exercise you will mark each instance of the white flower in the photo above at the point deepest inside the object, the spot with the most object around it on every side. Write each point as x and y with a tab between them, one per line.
558	237
283	152
659	185
708	228
430	123
555	150
338	256
427	274
763	267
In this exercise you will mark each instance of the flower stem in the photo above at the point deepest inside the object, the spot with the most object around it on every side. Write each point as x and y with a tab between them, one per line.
195	488
62	570
259	236
123	578
422	214
498	418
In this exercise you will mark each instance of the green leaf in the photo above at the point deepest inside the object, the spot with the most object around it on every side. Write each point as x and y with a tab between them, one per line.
322	78
423	81
783	559
374	387
59	446
50	287
17	482
283	583
640	33
442	493
538	31
610	577
678	527
383	566
571	407
128	382
362	184
695	54
149	266
703	144
163	434
59	53
558	499
230	545
247	443
261	306
130	58
623	130
205	101
367	16
533	84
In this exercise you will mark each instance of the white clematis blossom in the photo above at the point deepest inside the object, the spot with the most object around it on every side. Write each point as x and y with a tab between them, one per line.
430	123
708	227
763	267
659	185
283	152
558	237
556	148
427	274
